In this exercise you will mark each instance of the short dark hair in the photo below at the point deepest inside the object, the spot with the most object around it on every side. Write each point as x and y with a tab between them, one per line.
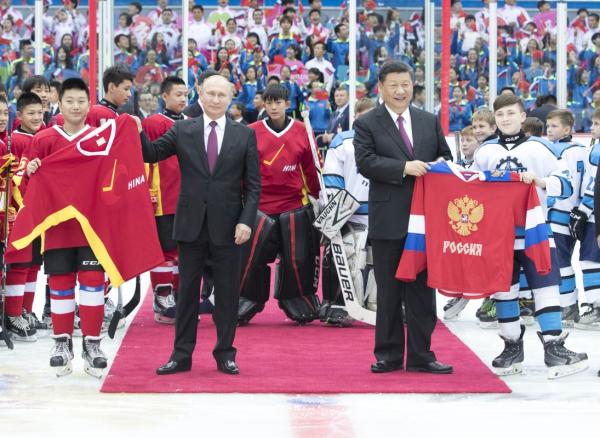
198	7
23	43
550	99
534	126
275	92
116	74
504	100
318	11
507	88
137	5
541	3
73	84
565	117
27	99
128	19
205	75
169	82
35	81
418	89
3	100
583	10
273	78
395	67
596	16
285	18
55	84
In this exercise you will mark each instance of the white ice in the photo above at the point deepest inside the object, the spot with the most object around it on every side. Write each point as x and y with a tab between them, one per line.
35	403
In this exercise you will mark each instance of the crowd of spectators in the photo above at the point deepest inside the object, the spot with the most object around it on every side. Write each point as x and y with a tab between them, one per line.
306	49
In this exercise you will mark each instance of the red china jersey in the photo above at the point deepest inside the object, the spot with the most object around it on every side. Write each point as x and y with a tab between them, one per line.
287	168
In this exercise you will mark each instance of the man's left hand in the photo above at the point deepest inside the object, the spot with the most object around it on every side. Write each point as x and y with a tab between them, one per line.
242	234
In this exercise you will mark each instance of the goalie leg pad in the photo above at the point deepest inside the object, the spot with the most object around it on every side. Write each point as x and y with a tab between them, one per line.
300	254
300	309
260	250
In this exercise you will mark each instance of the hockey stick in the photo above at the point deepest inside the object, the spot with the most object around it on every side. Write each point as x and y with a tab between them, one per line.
4	334
313	149
123	311
457	146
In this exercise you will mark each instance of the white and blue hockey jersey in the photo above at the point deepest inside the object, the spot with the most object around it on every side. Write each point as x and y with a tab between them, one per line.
340	172
573	156
589	180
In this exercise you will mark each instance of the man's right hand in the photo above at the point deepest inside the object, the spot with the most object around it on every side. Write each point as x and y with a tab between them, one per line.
416	168
33	166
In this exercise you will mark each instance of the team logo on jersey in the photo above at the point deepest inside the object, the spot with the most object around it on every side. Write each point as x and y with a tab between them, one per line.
465	213
511	164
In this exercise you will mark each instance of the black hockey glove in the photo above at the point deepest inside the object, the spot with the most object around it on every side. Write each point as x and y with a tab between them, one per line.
577	221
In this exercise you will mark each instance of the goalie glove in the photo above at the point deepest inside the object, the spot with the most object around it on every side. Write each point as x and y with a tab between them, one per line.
577	221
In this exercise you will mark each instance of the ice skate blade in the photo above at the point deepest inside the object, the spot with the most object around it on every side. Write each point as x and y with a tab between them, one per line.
63	371
451	316
568	323
567	370
510	371
488	325
94	372
162	320
31	338
590	327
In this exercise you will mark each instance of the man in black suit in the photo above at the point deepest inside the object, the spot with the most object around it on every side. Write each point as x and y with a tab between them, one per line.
195	109
340	119
220	189
393	144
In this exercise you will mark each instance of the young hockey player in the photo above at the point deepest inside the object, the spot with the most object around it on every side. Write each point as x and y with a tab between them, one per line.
538	164
582	226
340	173
68	257
285	217
559	125
164	179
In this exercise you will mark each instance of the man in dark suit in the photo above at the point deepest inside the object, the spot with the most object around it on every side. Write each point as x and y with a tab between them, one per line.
220	189
340	119
393	144
195	109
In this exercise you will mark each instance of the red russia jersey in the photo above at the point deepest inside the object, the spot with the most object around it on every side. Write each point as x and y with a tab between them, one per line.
98	181
67	234
287	167
97	116
462	230
164	177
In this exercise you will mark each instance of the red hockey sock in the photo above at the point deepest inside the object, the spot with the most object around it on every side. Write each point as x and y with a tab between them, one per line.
62	303
91	301
30	286
162	275
15	287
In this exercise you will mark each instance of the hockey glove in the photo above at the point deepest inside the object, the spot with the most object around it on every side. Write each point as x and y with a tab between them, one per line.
577	221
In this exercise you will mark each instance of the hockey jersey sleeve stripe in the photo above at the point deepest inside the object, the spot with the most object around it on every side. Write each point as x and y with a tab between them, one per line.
363	209
100	251
334	181
558	217
416	224
415	242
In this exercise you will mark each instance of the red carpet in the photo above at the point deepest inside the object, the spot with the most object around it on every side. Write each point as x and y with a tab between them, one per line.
277	356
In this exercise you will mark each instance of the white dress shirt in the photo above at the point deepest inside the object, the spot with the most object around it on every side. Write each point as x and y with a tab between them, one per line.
220	128
407	122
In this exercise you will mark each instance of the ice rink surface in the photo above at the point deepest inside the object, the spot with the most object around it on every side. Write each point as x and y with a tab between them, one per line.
35	403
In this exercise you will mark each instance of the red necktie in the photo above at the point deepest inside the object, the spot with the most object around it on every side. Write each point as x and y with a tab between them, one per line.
212	148
404	135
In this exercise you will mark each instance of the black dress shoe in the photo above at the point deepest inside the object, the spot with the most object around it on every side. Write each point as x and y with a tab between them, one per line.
434	367
386	366
228	367
173	367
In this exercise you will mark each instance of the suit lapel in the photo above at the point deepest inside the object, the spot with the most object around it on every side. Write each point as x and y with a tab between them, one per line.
202	147
226	145
415	121
391	128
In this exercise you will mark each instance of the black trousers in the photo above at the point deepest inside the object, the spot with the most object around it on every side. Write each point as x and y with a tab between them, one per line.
419	300
226	266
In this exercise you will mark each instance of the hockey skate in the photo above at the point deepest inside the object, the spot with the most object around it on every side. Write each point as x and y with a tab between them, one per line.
248	309
301	309
527	311
453	307
510	361
20	328
94	358
590	320
561	361
61	355
164	305
570	315
33	320
487	316
109	310
338	316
